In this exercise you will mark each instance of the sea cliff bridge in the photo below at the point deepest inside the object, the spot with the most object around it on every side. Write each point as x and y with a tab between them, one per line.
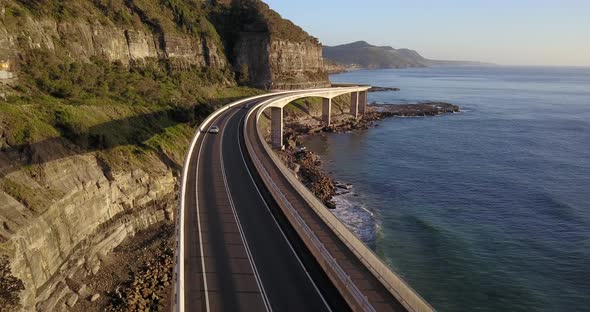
251	237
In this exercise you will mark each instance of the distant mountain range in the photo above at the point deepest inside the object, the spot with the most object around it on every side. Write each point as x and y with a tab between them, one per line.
364	55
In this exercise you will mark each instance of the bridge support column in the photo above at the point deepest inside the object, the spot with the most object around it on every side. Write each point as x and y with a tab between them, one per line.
354	104
326	111
276	127
363	102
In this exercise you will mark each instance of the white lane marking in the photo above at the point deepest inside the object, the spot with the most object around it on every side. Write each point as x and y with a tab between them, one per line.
248	252
275	220
205	286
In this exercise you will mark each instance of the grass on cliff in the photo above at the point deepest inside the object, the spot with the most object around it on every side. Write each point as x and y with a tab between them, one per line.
170	16
127	114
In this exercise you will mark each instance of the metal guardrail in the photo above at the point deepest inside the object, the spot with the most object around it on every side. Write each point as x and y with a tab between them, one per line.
391	280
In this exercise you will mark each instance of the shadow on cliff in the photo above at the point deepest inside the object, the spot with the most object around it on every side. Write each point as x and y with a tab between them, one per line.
134	130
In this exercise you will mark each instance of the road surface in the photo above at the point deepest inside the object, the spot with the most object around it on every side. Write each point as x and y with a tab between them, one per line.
251	258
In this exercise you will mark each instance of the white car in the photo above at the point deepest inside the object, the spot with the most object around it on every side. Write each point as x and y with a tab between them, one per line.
214	129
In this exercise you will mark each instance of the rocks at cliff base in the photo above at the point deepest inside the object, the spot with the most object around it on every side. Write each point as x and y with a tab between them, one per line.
307	166
149	286
83	291
342	188
383	89
414	110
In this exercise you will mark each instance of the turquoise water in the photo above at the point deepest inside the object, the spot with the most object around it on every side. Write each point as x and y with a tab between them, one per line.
485	210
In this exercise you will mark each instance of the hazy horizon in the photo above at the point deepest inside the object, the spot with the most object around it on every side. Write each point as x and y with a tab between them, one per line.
527	33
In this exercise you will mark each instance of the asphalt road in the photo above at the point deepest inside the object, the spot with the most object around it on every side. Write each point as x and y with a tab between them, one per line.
251	258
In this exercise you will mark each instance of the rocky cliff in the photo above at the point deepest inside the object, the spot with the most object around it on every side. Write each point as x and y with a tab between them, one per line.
82	31
265	50
268	51
94	128
78	215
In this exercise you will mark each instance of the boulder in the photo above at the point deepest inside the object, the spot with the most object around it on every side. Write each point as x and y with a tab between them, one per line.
94	297
71	300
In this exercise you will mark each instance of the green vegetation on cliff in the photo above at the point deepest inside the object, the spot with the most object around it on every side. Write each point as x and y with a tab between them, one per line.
186	16
127	113
95	126
99	106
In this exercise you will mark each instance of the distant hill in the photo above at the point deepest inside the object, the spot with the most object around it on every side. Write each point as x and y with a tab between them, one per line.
365	55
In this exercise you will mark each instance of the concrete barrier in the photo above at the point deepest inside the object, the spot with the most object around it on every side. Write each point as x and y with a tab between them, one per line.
391	280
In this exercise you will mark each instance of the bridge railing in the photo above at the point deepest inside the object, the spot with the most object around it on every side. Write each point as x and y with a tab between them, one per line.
318	249
403	292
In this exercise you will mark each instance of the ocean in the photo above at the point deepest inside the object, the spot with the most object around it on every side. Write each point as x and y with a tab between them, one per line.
483	210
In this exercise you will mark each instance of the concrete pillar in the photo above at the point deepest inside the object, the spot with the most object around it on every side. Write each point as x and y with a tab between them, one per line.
276	127
326	111
363	102
354	104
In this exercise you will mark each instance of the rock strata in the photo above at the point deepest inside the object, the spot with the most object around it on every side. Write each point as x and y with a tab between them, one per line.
85	211
270	51
83	40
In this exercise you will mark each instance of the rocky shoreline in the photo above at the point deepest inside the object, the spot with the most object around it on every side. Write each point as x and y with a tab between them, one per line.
383	89
308	165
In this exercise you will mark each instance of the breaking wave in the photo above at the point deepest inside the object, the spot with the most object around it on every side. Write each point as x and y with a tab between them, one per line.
355	215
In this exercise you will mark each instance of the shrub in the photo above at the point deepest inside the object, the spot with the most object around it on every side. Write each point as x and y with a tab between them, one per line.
10	287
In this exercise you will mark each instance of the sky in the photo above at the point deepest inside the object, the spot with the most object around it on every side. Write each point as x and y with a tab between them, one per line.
508	32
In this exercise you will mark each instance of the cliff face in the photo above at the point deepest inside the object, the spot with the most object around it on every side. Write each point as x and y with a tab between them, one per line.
296	65
82	38
85	214
280	64
271	52
65	205
94	128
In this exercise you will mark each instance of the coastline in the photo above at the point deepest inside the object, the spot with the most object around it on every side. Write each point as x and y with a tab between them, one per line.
481	201
339	196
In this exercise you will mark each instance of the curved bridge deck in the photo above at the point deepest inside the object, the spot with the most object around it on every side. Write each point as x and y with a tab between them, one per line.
379	297
250	240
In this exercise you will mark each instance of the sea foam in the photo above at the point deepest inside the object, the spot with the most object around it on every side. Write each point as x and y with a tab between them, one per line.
355	216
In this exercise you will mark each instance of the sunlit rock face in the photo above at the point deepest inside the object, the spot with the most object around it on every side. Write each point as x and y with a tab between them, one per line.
60	215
